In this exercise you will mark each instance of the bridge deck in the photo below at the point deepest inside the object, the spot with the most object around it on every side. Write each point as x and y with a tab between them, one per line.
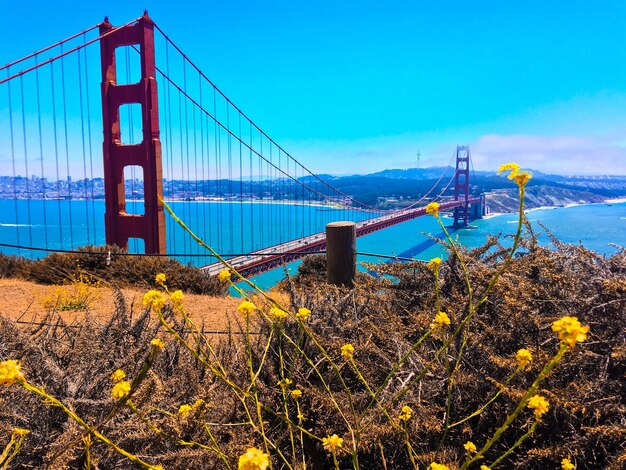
277	255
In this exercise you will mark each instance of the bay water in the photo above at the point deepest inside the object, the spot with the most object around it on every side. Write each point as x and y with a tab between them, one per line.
241	228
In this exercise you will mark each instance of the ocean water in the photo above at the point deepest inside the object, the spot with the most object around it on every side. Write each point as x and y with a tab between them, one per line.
597	227
229	228
235	228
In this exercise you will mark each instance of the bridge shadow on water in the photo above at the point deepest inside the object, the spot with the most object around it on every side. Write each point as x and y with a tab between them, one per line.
426	244
419	248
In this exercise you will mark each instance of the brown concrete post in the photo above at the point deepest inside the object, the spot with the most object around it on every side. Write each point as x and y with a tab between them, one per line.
341	253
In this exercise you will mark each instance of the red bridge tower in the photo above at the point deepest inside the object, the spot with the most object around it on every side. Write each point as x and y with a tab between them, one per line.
120	225
461	186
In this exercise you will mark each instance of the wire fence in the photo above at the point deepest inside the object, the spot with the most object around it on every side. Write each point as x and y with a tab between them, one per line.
183	331
194	255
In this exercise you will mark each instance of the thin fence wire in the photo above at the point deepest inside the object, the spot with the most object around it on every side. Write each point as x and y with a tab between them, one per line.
72	326
199	255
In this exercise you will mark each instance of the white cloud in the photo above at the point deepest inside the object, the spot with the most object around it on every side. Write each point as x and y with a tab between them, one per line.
568	155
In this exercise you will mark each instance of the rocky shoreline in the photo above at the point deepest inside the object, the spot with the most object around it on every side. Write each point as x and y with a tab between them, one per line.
507	200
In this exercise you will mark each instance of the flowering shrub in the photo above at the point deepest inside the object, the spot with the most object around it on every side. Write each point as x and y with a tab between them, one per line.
373	377
79	295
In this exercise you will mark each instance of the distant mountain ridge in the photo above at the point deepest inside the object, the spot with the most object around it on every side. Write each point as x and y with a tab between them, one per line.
412	173
436	171
394	188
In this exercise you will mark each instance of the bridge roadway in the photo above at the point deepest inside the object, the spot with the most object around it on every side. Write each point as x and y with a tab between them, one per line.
275	256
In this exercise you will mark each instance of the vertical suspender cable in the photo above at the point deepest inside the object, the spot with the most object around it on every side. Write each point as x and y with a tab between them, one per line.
218	174
67	151
43	179
56	156
281	191
240	186
173	228
16	210
93	201
204	204
28	195
231	248
195	165
182	157
272	205
82	133
304	206
263	195
186	128
252	224
167	176
208	181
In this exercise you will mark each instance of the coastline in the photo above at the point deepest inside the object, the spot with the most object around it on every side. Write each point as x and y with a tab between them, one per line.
565	206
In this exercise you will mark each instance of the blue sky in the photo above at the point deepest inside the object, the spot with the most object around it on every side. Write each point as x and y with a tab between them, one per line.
355	87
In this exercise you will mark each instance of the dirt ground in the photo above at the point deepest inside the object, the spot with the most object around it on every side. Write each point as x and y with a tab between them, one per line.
25	301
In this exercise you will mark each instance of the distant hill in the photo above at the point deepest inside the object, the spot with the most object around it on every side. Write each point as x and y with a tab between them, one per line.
418	173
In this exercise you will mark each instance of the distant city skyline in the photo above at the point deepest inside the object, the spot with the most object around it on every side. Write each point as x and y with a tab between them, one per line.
357	88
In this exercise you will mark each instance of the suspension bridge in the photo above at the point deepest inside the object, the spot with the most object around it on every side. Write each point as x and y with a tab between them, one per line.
97	130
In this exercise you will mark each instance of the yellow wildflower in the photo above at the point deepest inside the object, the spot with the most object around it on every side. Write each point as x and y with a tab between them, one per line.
10	371
434	263
433	209
246	308
570	330
539	404
524	357
295	394
438	466
20	432
160	278
121	389
441	320
284	383
347	350
303	314
198	403
566	464
484	467
514	167
224	275
332	443
177	298
118	375
154	299
277	314
523	177
157	343
470	447
254	459
184	410
406	414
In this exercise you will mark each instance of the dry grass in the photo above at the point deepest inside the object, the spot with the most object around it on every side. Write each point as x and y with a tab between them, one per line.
25	301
